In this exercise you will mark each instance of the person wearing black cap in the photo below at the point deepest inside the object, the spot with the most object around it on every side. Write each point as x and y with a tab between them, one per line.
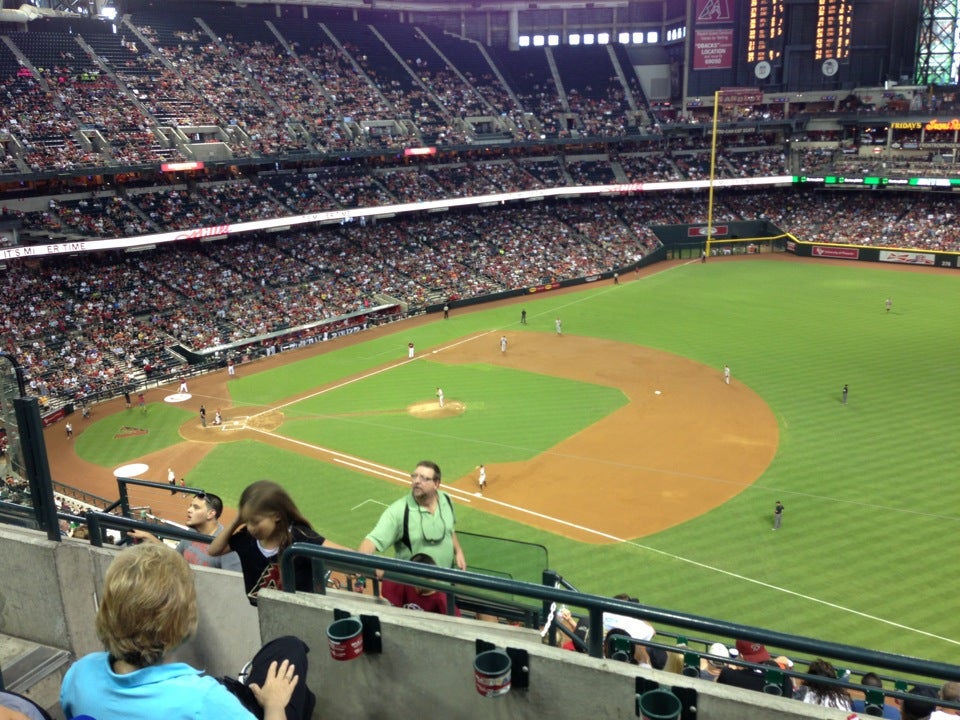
921	705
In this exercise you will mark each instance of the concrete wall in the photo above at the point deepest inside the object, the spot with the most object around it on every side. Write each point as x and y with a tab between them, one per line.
52	592
426	667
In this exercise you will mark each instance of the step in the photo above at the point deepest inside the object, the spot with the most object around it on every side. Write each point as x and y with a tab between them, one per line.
34	671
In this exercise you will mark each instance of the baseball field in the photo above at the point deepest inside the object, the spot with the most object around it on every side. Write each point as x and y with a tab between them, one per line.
618	446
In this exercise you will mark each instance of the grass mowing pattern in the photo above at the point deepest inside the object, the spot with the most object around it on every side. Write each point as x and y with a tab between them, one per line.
865	555
511	415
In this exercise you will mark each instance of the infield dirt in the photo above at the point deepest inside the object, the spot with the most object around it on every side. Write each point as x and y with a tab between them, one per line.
658	461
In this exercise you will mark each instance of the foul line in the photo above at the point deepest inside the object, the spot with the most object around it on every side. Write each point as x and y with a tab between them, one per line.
464	496
372	373
389	473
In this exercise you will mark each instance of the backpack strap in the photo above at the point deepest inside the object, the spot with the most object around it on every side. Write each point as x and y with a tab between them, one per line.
405	538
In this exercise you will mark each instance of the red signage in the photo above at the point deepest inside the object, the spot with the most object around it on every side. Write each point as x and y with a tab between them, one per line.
702	231
835	252
740	96
713	49
177	166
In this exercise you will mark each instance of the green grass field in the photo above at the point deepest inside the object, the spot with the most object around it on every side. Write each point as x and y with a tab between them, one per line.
867	551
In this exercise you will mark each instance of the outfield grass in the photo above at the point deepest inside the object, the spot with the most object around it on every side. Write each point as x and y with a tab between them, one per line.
866	554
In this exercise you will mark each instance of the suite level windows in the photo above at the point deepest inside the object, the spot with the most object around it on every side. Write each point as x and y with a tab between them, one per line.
600	38
538	40
589	39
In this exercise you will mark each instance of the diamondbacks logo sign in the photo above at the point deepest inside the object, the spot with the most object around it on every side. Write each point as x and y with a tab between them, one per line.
714	11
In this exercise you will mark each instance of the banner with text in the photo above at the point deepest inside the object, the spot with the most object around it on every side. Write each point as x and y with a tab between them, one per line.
713	49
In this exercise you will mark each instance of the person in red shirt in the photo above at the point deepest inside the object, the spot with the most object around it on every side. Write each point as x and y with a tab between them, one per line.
416	598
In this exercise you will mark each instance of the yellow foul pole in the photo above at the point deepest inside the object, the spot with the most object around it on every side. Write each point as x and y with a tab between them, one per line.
713	170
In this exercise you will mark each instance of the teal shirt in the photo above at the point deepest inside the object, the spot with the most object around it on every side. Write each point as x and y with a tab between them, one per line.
172	691
429	533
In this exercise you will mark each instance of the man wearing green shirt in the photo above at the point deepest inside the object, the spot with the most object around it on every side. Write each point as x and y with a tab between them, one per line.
420	522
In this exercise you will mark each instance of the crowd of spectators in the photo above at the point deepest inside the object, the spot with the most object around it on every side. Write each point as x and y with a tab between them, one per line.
98	323
261	95
93	323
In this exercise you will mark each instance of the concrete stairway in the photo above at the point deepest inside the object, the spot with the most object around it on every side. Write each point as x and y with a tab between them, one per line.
34	671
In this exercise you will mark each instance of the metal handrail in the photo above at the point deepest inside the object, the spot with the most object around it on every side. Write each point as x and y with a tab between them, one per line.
596	605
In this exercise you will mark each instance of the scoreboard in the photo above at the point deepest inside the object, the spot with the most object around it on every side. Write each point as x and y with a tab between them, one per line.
765	30
834	24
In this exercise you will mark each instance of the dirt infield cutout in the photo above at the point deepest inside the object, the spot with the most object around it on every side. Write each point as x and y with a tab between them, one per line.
654	463
432	409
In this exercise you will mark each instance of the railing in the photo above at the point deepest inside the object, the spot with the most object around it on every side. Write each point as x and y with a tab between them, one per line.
553	593
596	606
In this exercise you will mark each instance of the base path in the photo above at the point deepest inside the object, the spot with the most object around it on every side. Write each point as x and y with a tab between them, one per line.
664	458
661	459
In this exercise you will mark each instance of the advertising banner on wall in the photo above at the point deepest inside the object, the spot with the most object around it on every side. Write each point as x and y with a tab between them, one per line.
713	49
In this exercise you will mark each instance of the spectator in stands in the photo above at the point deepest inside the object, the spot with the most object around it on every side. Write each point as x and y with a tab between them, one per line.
753	678
422	521
921	705
268	522
416	598
710	667
950	692
635	628
815	692
615	650
203	515
872	681
148	608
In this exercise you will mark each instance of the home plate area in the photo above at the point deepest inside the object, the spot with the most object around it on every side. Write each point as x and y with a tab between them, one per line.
267	421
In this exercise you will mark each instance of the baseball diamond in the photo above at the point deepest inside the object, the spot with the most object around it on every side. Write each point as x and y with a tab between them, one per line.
667	495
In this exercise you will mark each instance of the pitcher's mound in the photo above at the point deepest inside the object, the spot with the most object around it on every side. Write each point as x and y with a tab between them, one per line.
432	409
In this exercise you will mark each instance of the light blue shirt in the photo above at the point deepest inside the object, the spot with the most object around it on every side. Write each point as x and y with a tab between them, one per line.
174	691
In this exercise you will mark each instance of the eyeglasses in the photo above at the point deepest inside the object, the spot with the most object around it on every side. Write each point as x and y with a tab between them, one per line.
420	476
